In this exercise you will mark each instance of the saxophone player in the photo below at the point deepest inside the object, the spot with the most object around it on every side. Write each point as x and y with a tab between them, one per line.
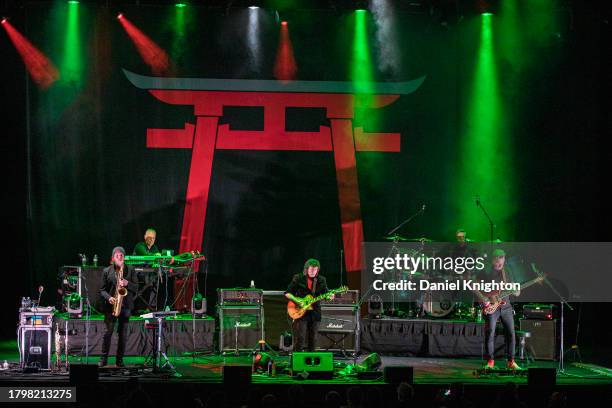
117	279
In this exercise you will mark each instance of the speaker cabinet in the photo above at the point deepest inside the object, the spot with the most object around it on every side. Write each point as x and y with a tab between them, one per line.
83	373
398	374
237	376
240	328
277	322
542	343
339	329
35	347
542	377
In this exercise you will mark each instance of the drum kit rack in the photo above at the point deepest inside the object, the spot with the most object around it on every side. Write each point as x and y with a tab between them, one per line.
428	304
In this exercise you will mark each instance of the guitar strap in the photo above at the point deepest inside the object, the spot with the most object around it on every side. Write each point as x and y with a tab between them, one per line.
314	286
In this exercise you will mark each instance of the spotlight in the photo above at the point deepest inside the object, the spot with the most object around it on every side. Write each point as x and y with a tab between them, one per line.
253	7
4	20
73	2
198	305
283	23
361	6
180	4
74	305
261	361
119	16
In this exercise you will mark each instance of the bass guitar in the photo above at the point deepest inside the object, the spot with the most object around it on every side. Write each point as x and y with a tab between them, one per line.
296	311
497	299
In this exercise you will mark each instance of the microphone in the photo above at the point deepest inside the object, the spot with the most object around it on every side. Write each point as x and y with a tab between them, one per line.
41	288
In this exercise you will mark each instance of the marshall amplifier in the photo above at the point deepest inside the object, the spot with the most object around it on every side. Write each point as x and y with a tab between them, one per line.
35	347
339	328
350	297
240	327
240	296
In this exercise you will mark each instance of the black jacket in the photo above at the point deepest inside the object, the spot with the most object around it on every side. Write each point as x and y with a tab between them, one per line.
109	284
299	288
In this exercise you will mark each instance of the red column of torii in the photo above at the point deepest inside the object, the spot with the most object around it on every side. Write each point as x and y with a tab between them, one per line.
208	97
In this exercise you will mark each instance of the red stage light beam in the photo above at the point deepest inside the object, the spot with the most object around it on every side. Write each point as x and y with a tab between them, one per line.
285	68
42	70
152	54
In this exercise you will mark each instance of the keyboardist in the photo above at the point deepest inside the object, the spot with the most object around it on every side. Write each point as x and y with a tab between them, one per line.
147	247
148	282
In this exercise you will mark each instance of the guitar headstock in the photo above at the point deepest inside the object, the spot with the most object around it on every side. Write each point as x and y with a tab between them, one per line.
342	289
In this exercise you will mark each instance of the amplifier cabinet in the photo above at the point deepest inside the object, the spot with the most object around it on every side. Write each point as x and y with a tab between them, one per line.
240	296
339	329
277	321
35	347
543	340
240	327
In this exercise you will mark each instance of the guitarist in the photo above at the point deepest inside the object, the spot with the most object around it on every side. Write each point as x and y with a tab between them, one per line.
308	282
505	312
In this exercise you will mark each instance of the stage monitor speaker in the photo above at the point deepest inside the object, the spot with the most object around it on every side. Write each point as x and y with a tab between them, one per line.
542	377
398	374
237	376
542	342
83	373
35	347
316	364
240	328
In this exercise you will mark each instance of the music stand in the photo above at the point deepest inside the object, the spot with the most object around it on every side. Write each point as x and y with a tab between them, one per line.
161	359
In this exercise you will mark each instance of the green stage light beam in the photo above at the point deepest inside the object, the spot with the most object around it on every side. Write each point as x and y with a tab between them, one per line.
361	69
72	62
485	167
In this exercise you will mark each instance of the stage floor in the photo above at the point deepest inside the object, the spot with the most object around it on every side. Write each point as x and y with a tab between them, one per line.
208	369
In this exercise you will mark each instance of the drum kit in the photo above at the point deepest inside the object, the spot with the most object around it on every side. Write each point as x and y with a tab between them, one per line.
435	304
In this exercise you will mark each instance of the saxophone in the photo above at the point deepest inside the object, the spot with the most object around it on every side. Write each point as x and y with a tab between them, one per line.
120	293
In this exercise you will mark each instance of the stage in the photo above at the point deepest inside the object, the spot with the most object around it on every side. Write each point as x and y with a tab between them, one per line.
202	375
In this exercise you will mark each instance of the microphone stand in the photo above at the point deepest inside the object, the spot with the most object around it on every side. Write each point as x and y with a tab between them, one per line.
491	223
563	302
395	241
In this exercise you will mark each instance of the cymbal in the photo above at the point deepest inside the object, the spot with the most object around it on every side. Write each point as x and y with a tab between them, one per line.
400	238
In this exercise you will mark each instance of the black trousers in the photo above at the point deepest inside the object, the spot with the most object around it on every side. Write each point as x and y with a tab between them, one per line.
305	332
122	326
506	313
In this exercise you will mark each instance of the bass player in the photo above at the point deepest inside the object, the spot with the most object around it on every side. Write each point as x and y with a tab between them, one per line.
504	311
309	282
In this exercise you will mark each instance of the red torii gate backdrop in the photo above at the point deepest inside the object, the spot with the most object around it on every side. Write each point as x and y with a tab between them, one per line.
209	96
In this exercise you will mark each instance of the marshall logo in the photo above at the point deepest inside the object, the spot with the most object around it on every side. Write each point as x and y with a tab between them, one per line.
206	135
334	325
240	324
